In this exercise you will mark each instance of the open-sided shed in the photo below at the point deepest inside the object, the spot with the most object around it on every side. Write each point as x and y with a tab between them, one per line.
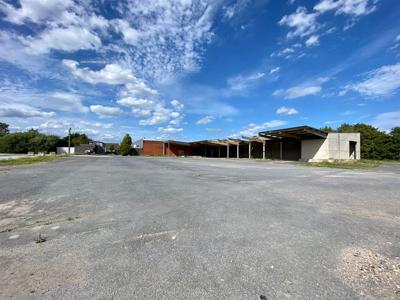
310	144
294	143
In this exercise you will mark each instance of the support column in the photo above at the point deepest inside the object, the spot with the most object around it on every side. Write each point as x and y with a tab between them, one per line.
227	151
249	150
280	150
219	152
237	151
264	149
212	151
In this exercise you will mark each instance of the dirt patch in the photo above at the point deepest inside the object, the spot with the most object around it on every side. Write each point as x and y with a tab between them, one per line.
40	276
13	211
15	208
370	274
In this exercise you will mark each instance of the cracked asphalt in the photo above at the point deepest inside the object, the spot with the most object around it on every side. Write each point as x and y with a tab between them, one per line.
187	228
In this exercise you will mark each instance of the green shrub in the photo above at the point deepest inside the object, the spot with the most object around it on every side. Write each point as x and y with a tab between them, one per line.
125	148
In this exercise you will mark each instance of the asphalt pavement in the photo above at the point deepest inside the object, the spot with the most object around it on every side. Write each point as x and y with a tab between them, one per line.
193	228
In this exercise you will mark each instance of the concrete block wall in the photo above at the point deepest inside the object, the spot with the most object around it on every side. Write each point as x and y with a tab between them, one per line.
339	145
335	146
314	150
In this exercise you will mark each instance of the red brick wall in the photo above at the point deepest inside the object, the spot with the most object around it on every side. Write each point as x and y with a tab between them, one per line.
180	150
154	148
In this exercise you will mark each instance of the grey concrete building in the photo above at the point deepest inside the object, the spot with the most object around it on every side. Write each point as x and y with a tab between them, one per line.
313	145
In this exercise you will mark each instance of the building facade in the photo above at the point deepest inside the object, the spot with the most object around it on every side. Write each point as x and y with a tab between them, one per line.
301	143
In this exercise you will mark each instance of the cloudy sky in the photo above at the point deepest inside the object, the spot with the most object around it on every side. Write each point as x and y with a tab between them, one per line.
190	70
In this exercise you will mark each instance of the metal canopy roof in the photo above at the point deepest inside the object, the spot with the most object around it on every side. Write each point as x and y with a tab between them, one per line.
298	133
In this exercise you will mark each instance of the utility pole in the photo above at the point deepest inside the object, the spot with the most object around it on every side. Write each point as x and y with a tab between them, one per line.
69	141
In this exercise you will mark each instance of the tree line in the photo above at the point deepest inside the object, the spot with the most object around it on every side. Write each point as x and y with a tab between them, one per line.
34	141
375	144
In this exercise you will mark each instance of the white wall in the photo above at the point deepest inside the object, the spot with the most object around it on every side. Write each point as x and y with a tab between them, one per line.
64	150
317	149
335	146
339	145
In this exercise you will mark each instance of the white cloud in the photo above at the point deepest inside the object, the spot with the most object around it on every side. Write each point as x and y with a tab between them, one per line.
379	82
66	102
241	83
166	37
23	111
169	129
286	111
155	111
349	7
312	41
35	10
387	121
287	52
105	111
159	114
274	70
298	91
234	9
95	130
303	23
159	39
254	129
112	74
130	35
307	88
177	105
65	39
61	25
53	125
23	94
139	107
135	102
205	120
96	124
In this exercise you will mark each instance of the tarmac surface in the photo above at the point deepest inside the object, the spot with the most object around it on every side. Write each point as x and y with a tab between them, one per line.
187	228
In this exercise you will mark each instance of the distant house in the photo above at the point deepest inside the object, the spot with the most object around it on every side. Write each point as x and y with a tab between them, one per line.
84	149
94	147
99	147
64	150
111	147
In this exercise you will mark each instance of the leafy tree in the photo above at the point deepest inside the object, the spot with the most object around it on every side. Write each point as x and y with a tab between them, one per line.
125	148
76	139
395	136
345	128
29	141
327	129
4	129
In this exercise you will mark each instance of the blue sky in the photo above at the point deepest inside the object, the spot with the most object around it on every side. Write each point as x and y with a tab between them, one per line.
191	70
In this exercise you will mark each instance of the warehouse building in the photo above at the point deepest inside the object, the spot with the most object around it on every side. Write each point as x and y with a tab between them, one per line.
310	144
302	143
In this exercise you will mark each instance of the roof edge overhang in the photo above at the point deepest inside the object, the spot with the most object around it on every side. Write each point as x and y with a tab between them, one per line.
299	133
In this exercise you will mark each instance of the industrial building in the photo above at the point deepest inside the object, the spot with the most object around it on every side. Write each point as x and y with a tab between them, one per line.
302	143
